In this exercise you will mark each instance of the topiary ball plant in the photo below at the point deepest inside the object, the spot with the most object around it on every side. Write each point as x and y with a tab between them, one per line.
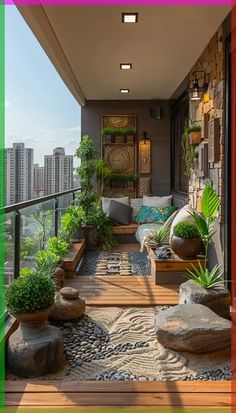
30	294
186	229
186	241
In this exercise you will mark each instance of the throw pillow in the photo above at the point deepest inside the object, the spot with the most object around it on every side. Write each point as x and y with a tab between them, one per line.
153	215
106	202
120	212
157	201
136	204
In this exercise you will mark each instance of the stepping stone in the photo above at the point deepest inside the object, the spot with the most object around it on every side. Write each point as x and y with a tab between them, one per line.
193	328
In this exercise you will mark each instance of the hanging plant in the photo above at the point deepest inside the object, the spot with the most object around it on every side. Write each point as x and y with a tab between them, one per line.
189	153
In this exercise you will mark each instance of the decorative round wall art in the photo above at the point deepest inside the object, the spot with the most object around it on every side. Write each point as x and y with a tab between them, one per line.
121	159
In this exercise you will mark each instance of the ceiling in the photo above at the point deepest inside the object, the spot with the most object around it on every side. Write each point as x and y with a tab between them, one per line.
91	42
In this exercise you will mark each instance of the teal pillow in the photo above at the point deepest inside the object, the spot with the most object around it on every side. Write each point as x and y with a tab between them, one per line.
153	215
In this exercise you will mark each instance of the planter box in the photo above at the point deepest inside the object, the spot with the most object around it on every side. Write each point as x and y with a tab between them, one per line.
71	260
170	271
120	139
130	139
195	138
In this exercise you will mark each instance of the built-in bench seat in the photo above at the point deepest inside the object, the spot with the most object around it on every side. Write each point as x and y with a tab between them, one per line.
125	229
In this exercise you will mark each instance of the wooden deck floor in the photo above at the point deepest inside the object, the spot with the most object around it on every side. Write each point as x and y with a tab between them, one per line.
120	291
124	291
159	394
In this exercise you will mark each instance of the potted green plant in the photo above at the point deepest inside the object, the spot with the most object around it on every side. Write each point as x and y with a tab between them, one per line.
206	285
107	133
119	135
195	135
34	348
158	238
130	133
95	226
186	241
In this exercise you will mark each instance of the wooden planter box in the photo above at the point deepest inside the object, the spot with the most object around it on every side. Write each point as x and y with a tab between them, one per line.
71	260
171	271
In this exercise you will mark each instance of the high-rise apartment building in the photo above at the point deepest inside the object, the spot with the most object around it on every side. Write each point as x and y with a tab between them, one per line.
18	173
58	172
38	187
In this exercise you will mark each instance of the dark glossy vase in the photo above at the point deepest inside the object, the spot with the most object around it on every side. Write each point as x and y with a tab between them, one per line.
91	236
186	247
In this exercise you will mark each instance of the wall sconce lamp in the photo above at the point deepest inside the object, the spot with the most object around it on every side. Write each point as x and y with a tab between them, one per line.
144	138
196	91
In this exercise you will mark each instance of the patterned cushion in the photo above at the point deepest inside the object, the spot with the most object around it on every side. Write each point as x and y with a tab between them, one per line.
155	215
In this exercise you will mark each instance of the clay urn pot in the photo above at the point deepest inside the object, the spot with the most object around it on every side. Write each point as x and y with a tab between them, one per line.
33	320
186	247
68	305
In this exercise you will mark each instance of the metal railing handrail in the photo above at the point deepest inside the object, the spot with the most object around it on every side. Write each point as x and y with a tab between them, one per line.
25	204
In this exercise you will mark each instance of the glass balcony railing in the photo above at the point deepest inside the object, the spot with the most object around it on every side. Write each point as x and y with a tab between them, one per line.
28	227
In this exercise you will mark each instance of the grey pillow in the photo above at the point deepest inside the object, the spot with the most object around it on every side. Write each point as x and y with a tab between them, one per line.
106	202
120	212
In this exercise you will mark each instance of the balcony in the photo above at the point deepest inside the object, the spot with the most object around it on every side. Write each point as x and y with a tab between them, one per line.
161	152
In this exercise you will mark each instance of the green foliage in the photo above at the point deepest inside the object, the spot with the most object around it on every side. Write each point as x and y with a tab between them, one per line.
186	229
103	174
43	217
124	178
29	246
110	131
194	128
93	172
26	271
71	221
46	262
160	237
189	153
86	150
204	277
205	223
210	202
58	247
30	294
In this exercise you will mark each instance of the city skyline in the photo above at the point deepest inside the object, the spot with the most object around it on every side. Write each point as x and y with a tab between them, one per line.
39	109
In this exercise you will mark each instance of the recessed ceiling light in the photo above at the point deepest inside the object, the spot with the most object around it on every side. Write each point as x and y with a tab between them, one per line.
129	17
126	66
124	90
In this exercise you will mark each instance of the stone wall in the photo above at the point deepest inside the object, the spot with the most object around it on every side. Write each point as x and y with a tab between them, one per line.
201	112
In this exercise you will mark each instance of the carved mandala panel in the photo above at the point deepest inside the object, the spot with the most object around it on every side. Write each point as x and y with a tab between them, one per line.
121	159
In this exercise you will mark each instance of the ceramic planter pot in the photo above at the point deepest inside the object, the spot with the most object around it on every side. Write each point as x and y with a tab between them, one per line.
91	236
195	138
186	247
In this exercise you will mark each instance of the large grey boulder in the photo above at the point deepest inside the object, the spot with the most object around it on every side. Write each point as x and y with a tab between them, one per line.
193	328
32	352
216	298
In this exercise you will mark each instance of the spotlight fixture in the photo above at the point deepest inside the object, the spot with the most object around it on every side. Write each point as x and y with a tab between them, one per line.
124	91
126	66
129	17
196	90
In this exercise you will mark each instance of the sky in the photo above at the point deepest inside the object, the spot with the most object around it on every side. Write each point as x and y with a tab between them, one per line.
39	109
